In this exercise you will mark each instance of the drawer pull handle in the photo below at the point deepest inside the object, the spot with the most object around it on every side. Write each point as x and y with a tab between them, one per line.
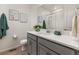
48	53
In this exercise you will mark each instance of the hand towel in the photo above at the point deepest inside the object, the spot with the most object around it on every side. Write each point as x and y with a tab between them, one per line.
74	26
3	25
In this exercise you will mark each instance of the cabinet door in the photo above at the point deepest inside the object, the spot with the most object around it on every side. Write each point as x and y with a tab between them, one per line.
31	46
45	51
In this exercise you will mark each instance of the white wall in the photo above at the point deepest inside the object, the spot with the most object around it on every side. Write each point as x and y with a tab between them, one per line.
33	16
20	29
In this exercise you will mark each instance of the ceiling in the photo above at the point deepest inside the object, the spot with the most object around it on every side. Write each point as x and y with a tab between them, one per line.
52	7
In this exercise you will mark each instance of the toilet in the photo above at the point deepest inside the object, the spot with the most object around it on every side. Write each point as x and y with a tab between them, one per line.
23	43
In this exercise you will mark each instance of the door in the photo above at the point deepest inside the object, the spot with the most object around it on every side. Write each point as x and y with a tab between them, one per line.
31	46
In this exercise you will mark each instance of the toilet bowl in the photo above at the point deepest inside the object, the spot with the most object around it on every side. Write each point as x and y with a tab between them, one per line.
23	43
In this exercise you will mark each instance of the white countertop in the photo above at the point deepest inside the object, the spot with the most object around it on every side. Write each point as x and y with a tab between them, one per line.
65	40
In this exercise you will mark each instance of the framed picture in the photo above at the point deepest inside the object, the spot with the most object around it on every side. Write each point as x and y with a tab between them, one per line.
24	17
13	15
39	19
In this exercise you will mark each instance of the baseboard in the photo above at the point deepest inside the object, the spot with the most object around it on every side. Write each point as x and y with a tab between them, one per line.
9	49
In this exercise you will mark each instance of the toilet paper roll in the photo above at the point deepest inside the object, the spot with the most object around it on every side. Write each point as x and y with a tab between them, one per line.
24	41
14	36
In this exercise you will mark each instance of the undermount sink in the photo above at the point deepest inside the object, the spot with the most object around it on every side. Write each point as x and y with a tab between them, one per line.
46	32
43	33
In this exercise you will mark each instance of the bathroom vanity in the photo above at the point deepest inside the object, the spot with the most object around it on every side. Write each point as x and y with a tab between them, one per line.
50	44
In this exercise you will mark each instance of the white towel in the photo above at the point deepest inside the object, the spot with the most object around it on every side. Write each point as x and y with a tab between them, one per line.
74	26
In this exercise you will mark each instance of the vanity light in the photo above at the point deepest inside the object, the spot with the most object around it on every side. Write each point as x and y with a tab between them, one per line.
57	10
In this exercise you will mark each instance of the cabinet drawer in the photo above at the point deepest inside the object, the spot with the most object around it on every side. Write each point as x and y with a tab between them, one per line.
31	36
45	51
55	47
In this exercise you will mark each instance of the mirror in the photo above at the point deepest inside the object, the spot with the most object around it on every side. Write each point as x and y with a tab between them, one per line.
58	17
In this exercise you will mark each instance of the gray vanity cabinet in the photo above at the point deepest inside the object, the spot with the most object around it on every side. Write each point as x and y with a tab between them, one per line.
41	46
